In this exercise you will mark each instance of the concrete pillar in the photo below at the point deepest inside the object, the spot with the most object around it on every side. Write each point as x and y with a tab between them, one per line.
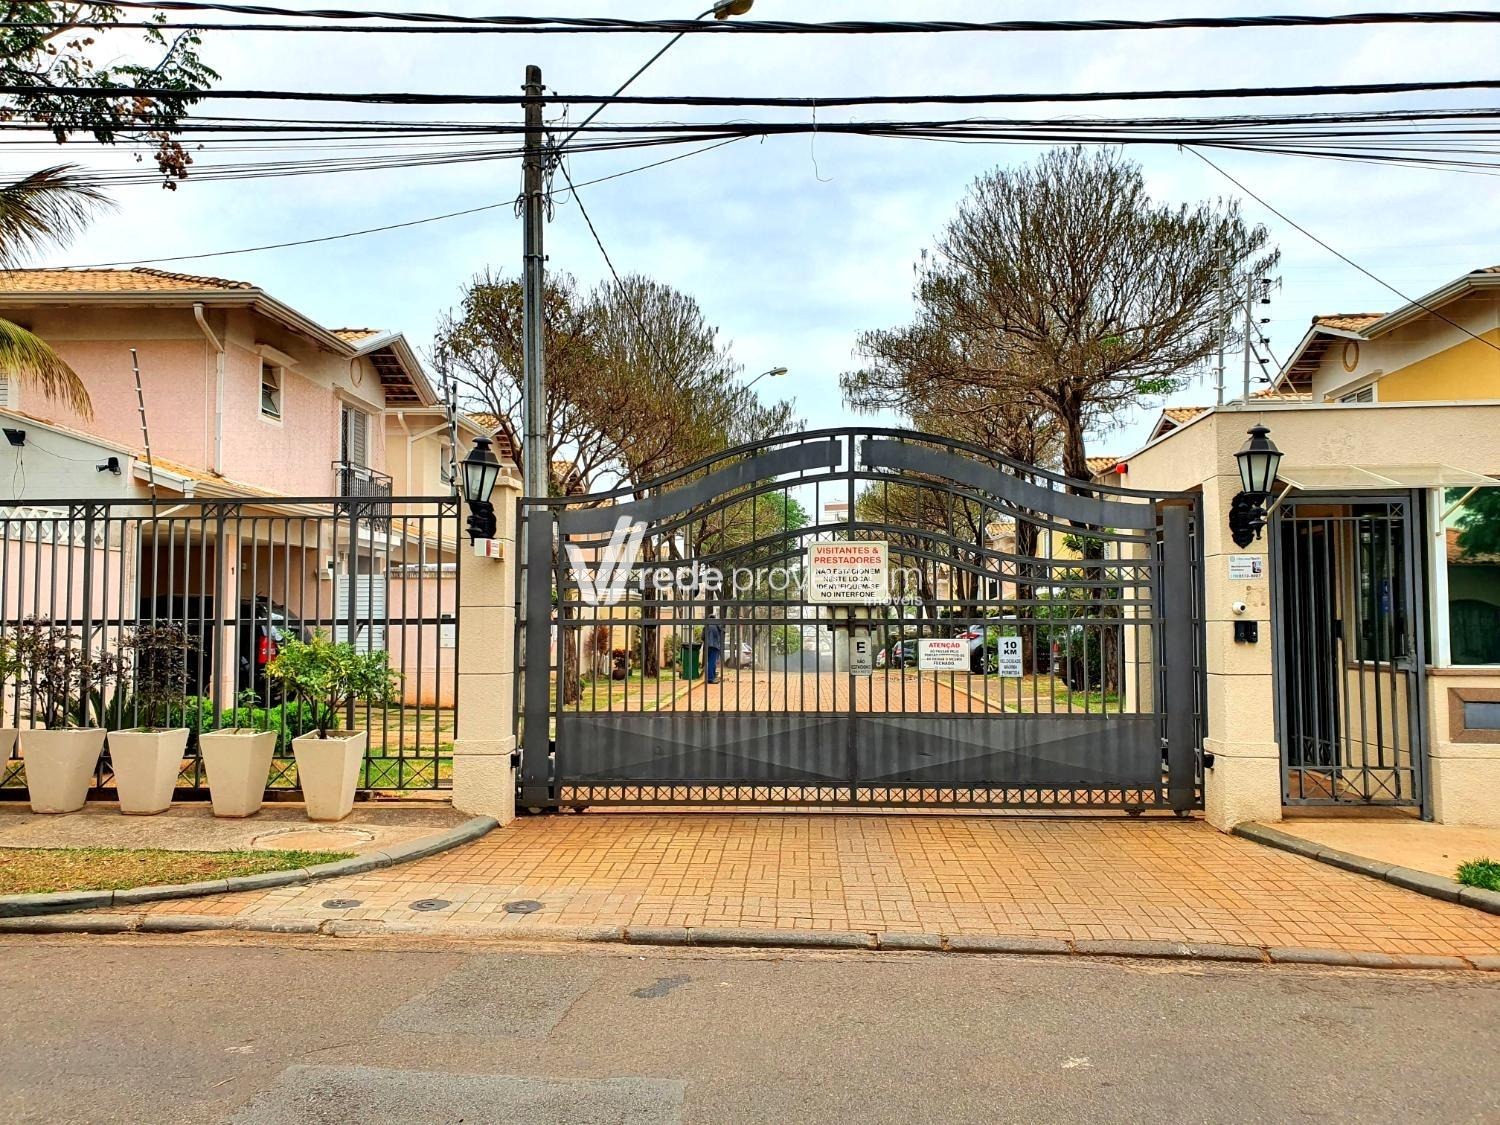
1245	781
484	781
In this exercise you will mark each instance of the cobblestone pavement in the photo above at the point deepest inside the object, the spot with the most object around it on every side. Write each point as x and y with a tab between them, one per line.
1075	878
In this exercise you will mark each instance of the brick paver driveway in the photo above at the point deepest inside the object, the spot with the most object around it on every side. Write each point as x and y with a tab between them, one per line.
1076	878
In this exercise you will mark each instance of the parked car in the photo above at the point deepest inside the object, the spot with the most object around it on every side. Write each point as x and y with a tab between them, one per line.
984	649
743	658
260	627
897	654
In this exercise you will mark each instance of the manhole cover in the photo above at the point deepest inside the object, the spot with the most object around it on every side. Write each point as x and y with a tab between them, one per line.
524	906
431	904
341	904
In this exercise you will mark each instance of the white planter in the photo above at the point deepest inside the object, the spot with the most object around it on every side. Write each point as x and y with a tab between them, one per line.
146	764
237	762
7	744
328	771
60	767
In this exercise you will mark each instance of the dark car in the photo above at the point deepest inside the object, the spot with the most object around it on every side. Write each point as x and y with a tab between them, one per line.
260	628
897	654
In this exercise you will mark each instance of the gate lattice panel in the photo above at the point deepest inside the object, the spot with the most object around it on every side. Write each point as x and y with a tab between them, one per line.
1068	616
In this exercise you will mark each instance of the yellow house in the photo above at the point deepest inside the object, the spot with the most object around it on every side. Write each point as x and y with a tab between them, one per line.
1353	646
1444	347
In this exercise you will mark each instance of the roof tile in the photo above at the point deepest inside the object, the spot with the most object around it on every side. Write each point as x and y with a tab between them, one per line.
140	280
1347	322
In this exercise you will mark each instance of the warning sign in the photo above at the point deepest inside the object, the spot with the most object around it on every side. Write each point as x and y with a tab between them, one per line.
848	573
943	654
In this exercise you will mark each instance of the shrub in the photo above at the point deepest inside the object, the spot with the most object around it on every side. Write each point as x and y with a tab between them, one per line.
160	653
327	677
62	674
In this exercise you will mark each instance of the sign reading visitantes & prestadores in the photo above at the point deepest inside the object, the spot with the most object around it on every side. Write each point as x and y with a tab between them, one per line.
848	573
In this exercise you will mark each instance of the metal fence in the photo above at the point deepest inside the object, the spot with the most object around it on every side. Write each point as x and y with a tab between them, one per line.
240	576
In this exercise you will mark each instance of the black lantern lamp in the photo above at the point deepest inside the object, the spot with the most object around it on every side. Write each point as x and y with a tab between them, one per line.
1259	461
481	469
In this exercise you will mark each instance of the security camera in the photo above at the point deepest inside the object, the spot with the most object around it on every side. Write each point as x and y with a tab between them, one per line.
109	465
1239	607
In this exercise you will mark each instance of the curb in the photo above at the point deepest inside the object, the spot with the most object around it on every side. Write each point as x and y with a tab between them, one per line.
706	938
67	902
1409	878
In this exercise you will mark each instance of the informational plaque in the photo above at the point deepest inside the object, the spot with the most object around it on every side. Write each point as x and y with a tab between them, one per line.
848	573
1009	656
1246	568
861	653
943	654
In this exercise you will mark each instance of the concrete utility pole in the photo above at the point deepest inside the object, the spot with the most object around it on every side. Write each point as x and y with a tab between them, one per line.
534	465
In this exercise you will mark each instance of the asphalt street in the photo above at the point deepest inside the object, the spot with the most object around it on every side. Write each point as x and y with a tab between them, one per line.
258	1030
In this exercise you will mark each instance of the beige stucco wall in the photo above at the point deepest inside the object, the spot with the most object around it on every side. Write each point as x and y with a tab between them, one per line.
1465	775
1245	782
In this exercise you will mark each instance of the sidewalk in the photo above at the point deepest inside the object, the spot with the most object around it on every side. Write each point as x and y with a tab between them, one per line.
1076	879
1435	848
192	827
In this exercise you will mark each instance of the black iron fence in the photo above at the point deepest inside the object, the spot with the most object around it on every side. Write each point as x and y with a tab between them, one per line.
240	577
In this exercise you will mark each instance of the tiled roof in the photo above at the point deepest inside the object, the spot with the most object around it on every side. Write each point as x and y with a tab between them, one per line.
1099	465
1347	322
139	280
1183	414
355	335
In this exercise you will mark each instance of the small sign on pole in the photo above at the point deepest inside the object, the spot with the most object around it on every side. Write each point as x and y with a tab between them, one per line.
488	549
861	653
848	573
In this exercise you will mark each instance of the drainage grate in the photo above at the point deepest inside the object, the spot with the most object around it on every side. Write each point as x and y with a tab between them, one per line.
522	906
431	904
342	904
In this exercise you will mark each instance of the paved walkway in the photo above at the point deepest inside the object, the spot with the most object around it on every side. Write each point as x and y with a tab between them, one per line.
191	826
1404	840
1077	878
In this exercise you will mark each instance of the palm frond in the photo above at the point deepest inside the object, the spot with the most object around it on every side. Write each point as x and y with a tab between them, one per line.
46	208
26	356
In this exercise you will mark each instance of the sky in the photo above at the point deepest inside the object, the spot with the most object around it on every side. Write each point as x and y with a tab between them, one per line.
794	246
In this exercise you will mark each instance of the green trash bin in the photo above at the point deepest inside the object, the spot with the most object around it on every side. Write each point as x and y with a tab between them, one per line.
690	661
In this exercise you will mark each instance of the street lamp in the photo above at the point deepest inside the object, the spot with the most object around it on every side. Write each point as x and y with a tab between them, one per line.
1258	461
724	9
774	373
481	469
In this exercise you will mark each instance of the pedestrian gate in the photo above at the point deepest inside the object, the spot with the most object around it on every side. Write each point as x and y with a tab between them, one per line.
973	632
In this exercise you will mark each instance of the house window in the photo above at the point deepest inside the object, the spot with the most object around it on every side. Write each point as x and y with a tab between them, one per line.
1364	394
1469	552
354	434
270	390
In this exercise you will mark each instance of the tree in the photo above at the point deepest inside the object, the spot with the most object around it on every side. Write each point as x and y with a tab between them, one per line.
46	207
47	47
1066	286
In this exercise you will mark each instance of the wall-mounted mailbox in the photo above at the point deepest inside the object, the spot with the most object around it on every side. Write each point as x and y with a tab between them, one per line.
1247	632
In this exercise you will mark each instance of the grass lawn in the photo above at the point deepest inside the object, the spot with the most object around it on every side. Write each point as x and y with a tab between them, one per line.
36	870
1481	873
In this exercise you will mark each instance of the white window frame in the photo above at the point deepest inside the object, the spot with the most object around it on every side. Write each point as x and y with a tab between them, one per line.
1437	558
279	383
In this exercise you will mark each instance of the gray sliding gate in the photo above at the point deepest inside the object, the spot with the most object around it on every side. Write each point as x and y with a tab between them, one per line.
1035	643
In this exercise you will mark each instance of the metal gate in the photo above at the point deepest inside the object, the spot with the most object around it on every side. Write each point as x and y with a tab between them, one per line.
1350	650
1036	643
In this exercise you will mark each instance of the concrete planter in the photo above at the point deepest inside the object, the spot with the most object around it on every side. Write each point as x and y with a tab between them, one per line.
238	762
7	742
328	771
60	767
146	765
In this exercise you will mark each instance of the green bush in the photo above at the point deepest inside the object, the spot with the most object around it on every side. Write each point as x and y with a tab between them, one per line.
288	720
327	676
1482	873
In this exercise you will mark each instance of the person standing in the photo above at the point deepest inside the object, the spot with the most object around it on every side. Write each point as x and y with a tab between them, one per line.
713	641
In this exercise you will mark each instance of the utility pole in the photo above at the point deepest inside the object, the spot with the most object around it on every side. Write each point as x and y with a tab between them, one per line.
534	465
1249	329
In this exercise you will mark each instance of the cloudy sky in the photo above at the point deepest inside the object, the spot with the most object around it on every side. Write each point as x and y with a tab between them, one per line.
792	245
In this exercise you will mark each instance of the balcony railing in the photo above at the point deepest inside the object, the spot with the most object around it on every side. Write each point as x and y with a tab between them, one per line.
359	480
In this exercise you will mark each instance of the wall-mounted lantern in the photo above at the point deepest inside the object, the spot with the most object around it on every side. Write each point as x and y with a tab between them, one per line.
481	469
1259	461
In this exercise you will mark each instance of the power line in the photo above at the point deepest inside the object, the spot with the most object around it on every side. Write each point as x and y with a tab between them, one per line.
830	102
1342	257
389	226
553	25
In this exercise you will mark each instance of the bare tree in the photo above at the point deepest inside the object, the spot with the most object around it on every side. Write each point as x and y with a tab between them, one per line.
1064	284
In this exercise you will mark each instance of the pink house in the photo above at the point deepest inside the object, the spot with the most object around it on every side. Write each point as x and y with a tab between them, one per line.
244	399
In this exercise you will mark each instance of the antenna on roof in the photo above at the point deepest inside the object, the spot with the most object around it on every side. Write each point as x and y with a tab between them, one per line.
140	401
